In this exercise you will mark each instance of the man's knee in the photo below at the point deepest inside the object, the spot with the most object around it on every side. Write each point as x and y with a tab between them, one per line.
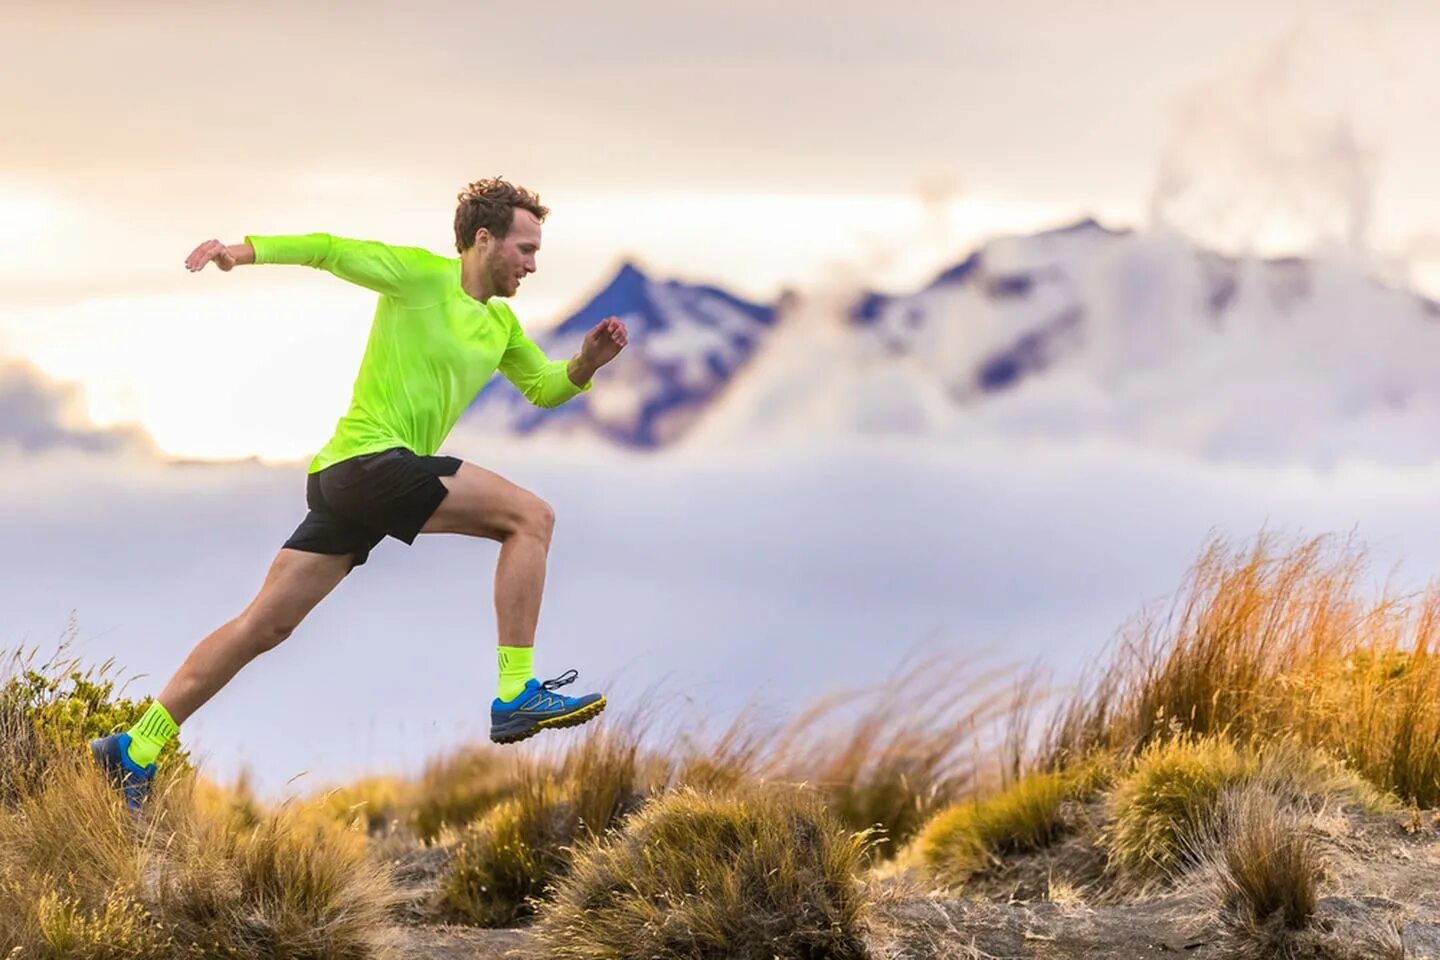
537	519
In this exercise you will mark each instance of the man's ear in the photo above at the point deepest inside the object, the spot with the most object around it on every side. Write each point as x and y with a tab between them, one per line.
482	238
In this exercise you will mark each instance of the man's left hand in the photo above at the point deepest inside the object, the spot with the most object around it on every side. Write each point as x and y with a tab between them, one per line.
603	343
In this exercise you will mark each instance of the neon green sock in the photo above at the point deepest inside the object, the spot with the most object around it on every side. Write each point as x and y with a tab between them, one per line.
516	667
150	735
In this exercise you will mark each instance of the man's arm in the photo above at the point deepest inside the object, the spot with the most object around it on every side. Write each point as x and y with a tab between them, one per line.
549	383
403	272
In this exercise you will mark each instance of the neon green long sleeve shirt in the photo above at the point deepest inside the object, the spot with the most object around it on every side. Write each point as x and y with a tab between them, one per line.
432	346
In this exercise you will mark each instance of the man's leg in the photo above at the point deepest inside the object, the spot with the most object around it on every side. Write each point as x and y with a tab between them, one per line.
297	581
479	503
485	504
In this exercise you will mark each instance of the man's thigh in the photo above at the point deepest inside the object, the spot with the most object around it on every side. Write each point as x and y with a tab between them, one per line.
296	581
481	503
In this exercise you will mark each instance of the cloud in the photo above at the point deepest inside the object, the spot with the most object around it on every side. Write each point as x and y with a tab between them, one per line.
1280	151
38	414
778	574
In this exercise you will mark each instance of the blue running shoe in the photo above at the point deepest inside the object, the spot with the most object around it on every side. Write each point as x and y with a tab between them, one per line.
112	753
538	707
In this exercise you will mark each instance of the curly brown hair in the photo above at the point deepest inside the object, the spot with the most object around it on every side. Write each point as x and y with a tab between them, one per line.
491	204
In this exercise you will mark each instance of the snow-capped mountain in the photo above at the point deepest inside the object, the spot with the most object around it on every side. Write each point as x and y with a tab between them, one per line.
1004	313
1137	336
686	343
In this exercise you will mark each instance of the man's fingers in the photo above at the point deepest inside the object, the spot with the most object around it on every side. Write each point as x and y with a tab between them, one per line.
202	254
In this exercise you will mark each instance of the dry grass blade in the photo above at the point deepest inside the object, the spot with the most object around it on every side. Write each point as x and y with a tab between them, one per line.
892	756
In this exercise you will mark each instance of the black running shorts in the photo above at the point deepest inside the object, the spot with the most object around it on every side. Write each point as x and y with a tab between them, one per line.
356	503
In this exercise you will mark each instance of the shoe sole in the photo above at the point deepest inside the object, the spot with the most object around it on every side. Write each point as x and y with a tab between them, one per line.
583	715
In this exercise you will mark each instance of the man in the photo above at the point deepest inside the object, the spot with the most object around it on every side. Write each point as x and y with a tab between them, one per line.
441	330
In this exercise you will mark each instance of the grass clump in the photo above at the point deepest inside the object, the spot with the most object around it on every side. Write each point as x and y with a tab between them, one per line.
966	838
748	875
1264	871
120	929
1163	808
506	859
1160	809
286	888
81	876
71	867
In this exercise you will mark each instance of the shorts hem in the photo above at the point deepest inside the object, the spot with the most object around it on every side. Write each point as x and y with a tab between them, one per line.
407	535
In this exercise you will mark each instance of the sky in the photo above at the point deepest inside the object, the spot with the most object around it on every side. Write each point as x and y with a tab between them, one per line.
754	145
757	146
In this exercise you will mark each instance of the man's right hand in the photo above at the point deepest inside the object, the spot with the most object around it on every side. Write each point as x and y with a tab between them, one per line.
213	251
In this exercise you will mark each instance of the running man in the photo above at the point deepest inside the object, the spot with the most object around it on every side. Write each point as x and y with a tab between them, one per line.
441	330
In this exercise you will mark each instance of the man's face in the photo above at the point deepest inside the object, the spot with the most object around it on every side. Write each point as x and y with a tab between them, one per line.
510	260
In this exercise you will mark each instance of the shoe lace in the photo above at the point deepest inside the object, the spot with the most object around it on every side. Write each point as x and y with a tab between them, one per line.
569	676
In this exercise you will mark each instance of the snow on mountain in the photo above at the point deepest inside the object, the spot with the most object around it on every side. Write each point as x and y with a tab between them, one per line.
686	343
1133	336
1004	313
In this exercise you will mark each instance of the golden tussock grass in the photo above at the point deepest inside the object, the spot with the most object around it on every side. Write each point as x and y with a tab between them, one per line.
1273	676
1274	644
750	874
507	859
966	838
81	876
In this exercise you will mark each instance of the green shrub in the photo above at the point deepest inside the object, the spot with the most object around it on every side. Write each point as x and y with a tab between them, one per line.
58	707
